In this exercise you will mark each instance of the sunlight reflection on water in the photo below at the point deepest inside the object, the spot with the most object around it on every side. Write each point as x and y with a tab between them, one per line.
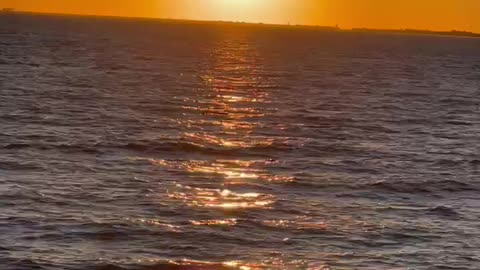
229	96
220	198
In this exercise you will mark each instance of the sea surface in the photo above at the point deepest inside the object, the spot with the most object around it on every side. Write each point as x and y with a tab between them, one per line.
152	145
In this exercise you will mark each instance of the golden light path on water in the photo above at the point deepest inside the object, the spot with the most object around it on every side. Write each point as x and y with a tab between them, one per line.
221	198
232	171
225	115
226	265
229	109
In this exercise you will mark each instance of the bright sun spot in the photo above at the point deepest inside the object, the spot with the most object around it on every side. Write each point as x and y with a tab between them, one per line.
237	3
238	9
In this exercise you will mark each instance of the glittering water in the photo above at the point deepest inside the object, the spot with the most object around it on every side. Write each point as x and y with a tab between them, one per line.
136	144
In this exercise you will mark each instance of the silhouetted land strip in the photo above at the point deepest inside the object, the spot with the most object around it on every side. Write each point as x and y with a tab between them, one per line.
419	32
454	33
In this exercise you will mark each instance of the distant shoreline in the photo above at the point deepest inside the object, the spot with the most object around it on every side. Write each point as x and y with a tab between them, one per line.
452	33
419	32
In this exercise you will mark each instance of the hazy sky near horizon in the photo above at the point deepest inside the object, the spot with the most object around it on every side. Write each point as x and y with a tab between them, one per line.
418	14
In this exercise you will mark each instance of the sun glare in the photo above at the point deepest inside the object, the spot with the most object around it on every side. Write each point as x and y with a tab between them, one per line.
237	3
238	10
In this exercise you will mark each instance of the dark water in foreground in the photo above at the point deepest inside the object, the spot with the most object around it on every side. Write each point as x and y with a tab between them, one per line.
148	145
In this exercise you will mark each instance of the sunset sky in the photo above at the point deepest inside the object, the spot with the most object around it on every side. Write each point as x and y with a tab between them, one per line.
418	14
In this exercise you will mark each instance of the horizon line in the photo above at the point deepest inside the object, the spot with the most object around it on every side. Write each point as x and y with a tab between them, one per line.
451	32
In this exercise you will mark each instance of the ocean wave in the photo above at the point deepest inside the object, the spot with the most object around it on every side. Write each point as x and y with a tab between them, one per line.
444	211
424	187
22	264
260	149
190	147
45	146
19	166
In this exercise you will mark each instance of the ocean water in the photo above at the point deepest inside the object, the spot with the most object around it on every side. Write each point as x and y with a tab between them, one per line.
143	144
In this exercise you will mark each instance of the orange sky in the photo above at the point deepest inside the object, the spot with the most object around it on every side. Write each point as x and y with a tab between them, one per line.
419	14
